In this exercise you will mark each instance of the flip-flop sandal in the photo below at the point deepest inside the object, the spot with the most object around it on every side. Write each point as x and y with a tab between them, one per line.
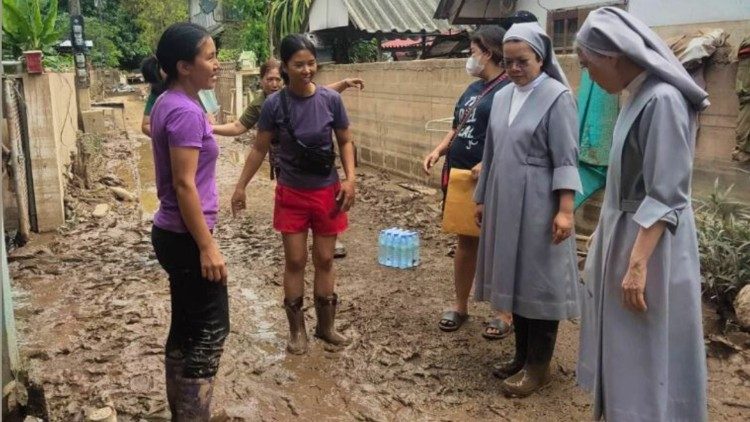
452	321
502	327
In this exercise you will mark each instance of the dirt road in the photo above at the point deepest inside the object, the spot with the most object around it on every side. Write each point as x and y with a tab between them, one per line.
92	308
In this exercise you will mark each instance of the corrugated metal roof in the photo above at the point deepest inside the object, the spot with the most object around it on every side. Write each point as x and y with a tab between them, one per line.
395	16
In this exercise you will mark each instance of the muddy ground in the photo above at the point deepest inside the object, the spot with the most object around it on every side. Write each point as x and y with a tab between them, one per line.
92	312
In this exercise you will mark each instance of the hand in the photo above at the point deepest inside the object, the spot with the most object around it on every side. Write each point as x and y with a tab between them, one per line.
633	288
354	83
562	226
345	198
479	214
213	267
211	119
238	202
430	161
475	171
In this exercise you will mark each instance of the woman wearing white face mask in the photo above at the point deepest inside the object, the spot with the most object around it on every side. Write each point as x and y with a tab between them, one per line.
463	147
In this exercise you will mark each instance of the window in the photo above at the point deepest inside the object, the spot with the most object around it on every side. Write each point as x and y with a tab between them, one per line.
562	26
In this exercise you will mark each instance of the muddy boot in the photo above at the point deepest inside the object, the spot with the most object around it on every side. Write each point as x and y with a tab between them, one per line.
536	372
194	399
172	368
325	308
509	367
297	344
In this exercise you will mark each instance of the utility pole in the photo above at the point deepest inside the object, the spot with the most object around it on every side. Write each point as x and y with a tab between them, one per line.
78	42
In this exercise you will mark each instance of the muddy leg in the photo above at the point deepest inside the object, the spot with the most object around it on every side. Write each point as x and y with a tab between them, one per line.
464	267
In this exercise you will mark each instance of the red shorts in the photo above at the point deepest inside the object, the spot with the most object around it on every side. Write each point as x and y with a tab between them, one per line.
298	210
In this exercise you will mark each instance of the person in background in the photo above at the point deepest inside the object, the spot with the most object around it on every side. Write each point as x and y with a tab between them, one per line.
302	118
463	147
270	82
642	353
154	76
185	154
527	254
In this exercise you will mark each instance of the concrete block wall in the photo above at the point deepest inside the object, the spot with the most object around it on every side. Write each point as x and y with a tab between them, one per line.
388	118
52	124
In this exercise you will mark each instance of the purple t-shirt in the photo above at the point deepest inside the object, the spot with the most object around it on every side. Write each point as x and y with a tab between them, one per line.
313	119
178	121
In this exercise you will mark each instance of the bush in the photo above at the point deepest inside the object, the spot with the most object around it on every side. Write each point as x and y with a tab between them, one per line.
723	227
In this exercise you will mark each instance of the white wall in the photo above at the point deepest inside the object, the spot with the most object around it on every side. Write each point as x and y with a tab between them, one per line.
326	14
653	12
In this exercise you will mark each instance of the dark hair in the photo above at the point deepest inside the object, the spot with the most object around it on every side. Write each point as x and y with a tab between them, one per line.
268	65
291	44
490	40
151	74
181	41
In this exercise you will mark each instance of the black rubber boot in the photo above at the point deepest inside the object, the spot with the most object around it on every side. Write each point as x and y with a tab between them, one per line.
297	344
194	400
325	308
511	366
536	372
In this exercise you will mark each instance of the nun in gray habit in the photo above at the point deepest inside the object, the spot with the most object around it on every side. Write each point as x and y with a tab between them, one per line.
642	352
527	260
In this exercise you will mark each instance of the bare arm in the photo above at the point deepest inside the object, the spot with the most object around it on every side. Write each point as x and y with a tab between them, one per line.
346	149
235	128
146	125
184	163
634	283
440	150
343	84
252	163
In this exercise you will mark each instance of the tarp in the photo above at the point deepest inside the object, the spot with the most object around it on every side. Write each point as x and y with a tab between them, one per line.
597	114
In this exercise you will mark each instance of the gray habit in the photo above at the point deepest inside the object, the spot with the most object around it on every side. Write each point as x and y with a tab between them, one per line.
646	366
518	268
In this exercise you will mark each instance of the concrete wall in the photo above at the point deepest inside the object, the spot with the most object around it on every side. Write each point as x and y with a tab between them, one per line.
52	125
388	118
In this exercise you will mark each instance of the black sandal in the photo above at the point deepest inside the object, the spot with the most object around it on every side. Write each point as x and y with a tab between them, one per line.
502	327
452	320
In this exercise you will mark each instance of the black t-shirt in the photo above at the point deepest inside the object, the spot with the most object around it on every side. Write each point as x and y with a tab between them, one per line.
468	146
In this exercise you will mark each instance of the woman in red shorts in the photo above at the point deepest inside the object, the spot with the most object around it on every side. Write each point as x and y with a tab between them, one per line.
302	117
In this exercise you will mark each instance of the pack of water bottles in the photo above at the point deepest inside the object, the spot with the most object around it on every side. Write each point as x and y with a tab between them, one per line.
398	248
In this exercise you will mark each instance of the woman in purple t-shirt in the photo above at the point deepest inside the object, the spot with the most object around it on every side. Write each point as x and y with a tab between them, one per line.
185	154
303	117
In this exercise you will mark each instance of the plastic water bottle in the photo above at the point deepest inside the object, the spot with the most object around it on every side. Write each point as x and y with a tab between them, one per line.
381	247
403	250
416	256
390	247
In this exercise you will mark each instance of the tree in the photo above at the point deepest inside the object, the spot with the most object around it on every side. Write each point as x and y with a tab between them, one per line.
153	17
245	27
29	24
287	17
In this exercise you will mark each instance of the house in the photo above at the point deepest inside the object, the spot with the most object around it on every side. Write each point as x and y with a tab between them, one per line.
336	24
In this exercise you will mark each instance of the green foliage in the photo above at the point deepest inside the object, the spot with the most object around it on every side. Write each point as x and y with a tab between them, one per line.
364	51
228	55
29	24
246	27
59	62
723	227
153	17
287	17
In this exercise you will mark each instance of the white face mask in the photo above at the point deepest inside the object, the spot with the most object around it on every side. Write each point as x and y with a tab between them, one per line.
474	67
